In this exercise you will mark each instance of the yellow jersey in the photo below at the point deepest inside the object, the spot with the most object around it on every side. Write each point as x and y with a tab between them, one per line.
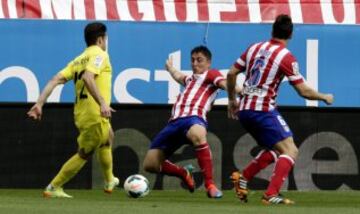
95	60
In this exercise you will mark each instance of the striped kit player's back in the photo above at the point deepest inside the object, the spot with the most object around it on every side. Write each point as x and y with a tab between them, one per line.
198	96
265	65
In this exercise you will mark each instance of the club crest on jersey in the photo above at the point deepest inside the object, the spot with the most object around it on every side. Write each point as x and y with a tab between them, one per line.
98	61
295	67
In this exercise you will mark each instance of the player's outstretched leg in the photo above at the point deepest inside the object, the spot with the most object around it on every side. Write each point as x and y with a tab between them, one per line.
67	171
184	173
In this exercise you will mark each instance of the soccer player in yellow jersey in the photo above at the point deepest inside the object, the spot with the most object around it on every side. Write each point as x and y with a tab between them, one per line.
91	72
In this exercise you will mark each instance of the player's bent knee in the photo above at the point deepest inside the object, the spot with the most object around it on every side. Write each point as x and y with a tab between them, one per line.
151	165
197	139
197	134
199	142
292	152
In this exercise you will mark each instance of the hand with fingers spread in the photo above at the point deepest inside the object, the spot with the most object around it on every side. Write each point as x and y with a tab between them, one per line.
177	75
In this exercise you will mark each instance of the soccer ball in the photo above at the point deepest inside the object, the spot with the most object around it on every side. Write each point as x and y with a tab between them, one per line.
136	186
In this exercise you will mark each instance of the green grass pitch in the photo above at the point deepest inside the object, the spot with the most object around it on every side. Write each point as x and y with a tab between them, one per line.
173	202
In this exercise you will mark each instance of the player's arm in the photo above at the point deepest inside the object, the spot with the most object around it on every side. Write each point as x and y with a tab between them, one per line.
36	110
290	67
89	81
231	89
309	93
223	85
175	74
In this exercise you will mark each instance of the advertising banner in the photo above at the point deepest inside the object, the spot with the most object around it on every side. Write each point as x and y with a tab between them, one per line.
250	11
34	51
31	153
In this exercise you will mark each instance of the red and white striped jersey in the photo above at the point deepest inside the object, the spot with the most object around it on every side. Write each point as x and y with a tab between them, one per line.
198	96
266	64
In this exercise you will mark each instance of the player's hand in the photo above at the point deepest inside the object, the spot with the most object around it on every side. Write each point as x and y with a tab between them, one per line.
169	64
106	111
233	107
35	112
329	99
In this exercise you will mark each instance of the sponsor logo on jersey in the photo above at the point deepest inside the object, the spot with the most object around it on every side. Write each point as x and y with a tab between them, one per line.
98	61
295	67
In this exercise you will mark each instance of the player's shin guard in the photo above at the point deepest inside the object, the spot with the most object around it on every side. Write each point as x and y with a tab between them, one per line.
261	161
282	168
68	170
203	155
104	155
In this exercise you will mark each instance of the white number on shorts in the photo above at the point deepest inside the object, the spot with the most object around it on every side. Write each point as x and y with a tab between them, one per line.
283	123
281	120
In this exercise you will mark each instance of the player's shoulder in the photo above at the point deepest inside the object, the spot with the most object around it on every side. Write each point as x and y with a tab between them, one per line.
213	72
288	56
254	45
280	48
286	51
95	51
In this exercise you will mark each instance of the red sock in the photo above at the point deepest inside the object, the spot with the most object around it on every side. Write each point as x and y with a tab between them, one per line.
203	155
262	160
282	168
169	168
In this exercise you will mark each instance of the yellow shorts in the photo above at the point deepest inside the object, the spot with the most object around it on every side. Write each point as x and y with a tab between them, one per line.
93	137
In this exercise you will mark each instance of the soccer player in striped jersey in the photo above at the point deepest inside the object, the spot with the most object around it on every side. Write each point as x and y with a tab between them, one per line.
265	65
91	72
188	123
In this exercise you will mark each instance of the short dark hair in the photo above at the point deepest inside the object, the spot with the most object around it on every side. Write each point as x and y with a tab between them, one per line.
93	31
282	27
202	49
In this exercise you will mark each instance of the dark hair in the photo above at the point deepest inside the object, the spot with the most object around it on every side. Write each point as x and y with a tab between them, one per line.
93	31
202	49
282	27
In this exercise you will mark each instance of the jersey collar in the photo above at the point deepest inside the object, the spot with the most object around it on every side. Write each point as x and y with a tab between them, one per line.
93	47
196	76
276	42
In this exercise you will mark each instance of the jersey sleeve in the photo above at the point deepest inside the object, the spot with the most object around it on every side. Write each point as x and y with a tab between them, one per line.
240	63
96	62
290	68
215	77
67	72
